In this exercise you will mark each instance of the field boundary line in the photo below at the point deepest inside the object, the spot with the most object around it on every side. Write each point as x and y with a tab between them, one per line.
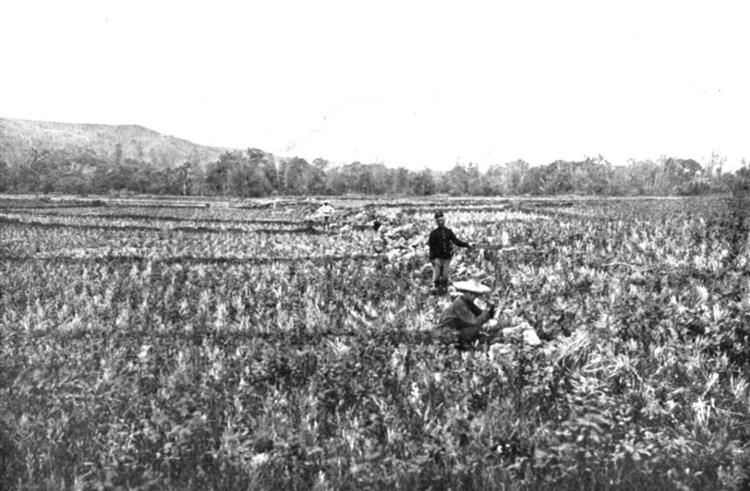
189	259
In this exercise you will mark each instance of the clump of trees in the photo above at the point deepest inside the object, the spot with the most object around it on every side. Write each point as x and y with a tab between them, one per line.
255	173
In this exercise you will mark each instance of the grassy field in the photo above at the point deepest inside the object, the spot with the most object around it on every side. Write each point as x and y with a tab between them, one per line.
191	344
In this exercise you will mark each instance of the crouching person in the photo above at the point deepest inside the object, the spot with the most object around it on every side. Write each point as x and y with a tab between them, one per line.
462	321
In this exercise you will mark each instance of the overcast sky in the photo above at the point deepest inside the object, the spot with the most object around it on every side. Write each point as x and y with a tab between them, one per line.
420	84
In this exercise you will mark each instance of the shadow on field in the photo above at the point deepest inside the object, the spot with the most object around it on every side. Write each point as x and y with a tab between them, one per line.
10	463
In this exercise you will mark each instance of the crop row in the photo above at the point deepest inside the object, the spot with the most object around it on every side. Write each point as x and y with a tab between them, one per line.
185	260
126	225
116	215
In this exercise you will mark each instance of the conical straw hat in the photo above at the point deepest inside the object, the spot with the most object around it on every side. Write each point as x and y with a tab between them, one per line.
471	286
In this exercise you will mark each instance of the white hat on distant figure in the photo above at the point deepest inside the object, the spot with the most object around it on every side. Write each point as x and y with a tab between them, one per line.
472	286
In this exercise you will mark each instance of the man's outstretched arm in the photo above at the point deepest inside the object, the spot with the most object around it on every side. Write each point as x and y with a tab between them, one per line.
457	241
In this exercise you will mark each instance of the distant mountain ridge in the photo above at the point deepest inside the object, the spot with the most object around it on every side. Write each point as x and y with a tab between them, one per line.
19	137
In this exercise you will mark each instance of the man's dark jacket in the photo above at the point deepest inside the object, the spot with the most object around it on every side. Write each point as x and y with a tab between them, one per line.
441	243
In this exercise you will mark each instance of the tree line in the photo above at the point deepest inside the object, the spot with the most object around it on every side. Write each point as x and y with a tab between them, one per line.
255	173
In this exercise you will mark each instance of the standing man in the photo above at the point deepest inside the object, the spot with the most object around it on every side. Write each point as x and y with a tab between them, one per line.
441	251
325	211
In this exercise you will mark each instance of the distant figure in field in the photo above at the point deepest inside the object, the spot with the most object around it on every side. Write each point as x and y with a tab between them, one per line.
379	240
441	243
461	322
325	212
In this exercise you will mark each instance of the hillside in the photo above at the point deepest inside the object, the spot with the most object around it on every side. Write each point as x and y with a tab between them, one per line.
19	137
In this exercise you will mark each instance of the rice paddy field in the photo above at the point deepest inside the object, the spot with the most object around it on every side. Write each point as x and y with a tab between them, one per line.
182	343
